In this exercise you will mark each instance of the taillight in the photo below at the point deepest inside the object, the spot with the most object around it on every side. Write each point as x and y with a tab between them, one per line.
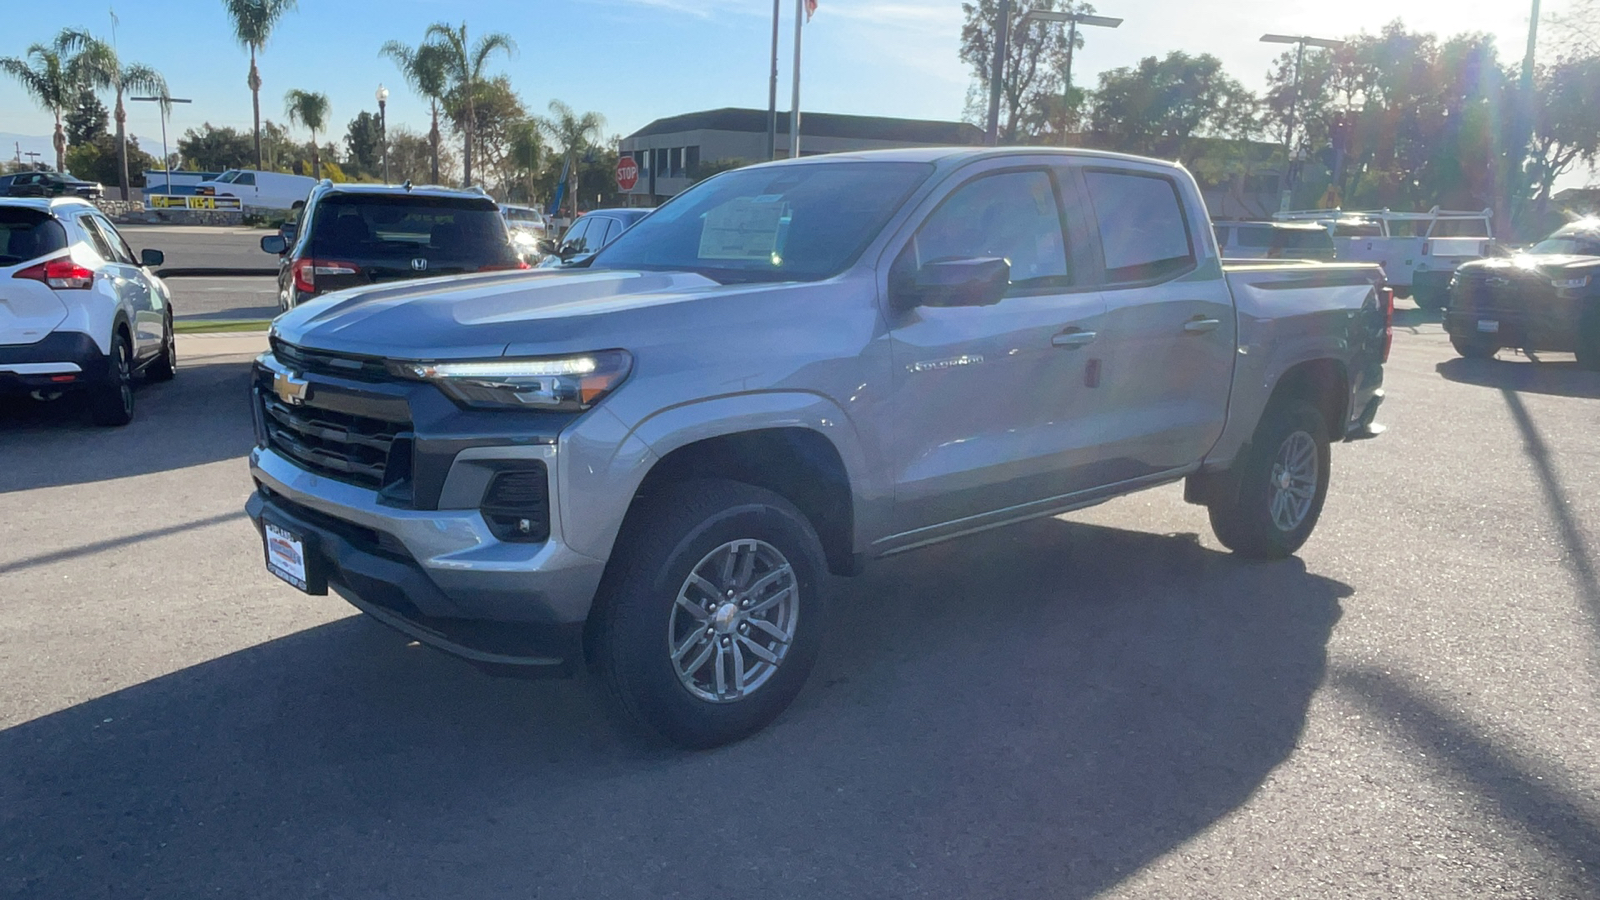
305	272
60	273
500	267
1427	248
1386	295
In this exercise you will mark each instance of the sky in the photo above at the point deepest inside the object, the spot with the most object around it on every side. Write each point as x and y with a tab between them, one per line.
637	60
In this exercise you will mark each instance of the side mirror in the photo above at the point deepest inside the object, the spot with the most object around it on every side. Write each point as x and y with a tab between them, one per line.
980	281
568	251
151	258
546	246
274	243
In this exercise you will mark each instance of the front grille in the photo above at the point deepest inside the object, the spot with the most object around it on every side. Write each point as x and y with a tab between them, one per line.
349	448
360	368
1499	294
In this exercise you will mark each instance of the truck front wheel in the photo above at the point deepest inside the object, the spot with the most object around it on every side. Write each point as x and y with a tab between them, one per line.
711	617
1283	481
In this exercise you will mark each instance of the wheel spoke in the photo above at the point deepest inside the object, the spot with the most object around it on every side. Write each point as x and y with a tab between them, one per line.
766	581
729	560
706	587
770	602
738	667
771	629
695	637
693	608
722	670
700	659
758	651
747	566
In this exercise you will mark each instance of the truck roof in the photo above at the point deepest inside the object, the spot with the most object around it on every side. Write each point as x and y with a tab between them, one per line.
950	155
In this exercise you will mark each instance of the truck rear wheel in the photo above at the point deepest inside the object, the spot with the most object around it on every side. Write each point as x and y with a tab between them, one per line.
1283	480
712	615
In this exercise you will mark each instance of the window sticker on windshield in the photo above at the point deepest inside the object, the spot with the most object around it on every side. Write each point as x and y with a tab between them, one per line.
745	228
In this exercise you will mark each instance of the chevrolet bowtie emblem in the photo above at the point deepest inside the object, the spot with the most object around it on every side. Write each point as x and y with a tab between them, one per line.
291	390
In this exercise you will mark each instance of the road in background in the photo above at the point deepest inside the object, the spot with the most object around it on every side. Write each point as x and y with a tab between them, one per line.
1101	705
224	298
202	246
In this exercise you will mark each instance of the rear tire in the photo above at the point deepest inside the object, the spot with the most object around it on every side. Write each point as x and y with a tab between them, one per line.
706	582
1475	347
111	401
1589	342
1283	481
1430	299
165	367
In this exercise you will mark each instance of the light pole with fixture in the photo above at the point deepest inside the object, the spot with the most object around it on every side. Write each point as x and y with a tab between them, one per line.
1301	42
166	110
1073	20
383	127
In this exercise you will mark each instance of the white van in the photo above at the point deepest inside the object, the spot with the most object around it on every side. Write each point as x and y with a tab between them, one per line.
259	190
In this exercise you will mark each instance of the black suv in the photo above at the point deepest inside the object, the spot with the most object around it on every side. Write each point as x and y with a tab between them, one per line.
351	235
51	184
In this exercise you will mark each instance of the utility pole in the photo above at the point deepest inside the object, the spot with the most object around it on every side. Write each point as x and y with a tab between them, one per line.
1284	192
1002	32
1072	19
772	87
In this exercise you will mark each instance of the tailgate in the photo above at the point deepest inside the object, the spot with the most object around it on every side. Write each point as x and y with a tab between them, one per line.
1457	248
29	310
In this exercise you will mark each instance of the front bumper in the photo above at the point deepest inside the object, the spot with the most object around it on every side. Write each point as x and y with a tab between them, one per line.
62	360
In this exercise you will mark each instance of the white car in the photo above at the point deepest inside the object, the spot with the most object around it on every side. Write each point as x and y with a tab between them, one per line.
259	190
79	313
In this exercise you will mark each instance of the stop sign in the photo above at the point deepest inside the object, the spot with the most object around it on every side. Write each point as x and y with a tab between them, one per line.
627	173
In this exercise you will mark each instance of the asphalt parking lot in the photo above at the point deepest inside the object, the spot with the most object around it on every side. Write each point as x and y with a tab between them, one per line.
1101	705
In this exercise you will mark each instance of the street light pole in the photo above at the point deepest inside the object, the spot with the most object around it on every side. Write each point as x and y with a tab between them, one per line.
1002	33
165	109
1294	100
383	127
1073	19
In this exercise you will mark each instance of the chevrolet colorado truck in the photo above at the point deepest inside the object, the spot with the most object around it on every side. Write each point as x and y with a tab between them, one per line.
650	465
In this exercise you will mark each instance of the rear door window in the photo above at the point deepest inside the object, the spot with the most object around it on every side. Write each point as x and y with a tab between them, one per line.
96	239
576	237
1144	230
27	234
119	247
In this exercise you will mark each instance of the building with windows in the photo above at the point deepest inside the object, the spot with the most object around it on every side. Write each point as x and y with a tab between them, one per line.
674	152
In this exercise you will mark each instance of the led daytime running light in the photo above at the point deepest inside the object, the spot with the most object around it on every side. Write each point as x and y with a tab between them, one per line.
548	368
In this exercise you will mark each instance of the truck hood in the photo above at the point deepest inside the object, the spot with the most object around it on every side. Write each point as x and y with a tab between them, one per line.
483	315
1546	264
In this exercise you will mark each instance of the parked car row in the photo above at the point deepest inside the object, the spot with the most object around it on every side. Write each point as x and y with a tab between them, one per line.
81	316
49	184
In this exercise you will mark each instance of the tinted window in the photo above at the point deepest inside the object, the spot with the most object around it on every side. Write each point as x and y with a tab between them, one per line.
114	237
784	223
28	234
1566	246
1257	236
1222	234
96	239
1461	228
384	226
602	235
246	178
1012	215
575	237
1144	233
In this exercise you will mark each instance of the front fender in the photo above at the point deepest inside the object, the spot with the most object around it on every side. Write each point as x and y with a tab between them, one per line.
605	462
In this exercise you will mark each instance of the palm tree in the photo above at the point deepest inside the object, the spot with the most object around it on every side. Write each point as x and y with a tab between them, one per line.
464	64
253	21
424	68
94	64
310	109
575	134
44	75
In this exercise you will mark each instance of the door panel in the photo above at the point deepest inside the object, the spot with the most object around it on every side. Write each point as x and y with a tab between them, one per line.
1170	326
988	402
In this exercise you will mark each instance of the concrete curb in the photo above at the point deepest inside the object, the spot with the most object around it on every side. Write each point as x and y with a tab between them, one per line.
216	273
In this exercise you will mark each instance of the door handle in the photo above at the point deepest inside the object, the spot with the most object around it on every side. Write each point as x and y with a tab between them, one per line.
1072	340
1201	326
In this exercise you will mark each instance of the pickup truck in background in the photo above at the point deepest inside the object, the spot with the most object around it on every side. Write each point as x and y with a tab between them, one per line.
651	463
1419	251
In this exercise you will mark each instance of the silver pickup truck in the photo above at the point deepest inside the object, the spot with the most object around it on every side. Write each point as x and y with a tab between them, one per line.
651	463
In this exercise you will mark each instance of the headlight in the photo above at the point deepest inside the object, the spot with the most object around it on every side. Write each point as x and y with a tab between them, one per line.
569	383
1570	283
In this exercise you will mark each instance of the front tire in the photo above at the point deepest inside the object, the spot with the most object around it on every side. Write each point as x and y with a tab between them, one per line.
111	402
1283	481
711	617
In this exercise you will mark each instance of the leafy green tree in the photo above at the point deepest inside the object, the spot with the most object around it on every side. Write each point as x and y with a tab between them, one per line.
700	171
212	149
425	68
100	158
44	76
464	63
253	22
1566	123
364	140
497	115
95	65
1036	56
1159	106
574	134
309	109
411	158
87	120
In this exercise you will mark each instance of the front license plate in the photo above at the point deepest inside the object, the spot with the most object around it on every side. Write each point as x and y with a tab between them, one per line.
286	555
1488	326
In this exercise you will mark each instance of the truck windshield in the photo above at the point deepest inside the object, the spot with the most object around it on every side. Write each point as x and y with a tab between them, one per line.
785	223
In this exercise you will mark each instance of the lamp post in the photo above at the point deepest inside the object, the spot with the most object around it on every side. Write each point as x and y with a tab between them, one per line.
1073	20
383	126
1301	42
166	109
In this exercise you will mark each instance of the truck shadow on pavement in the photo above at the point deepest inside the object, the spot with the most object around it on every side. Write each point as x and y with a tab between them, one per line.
1561	377
1038	711
200	417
